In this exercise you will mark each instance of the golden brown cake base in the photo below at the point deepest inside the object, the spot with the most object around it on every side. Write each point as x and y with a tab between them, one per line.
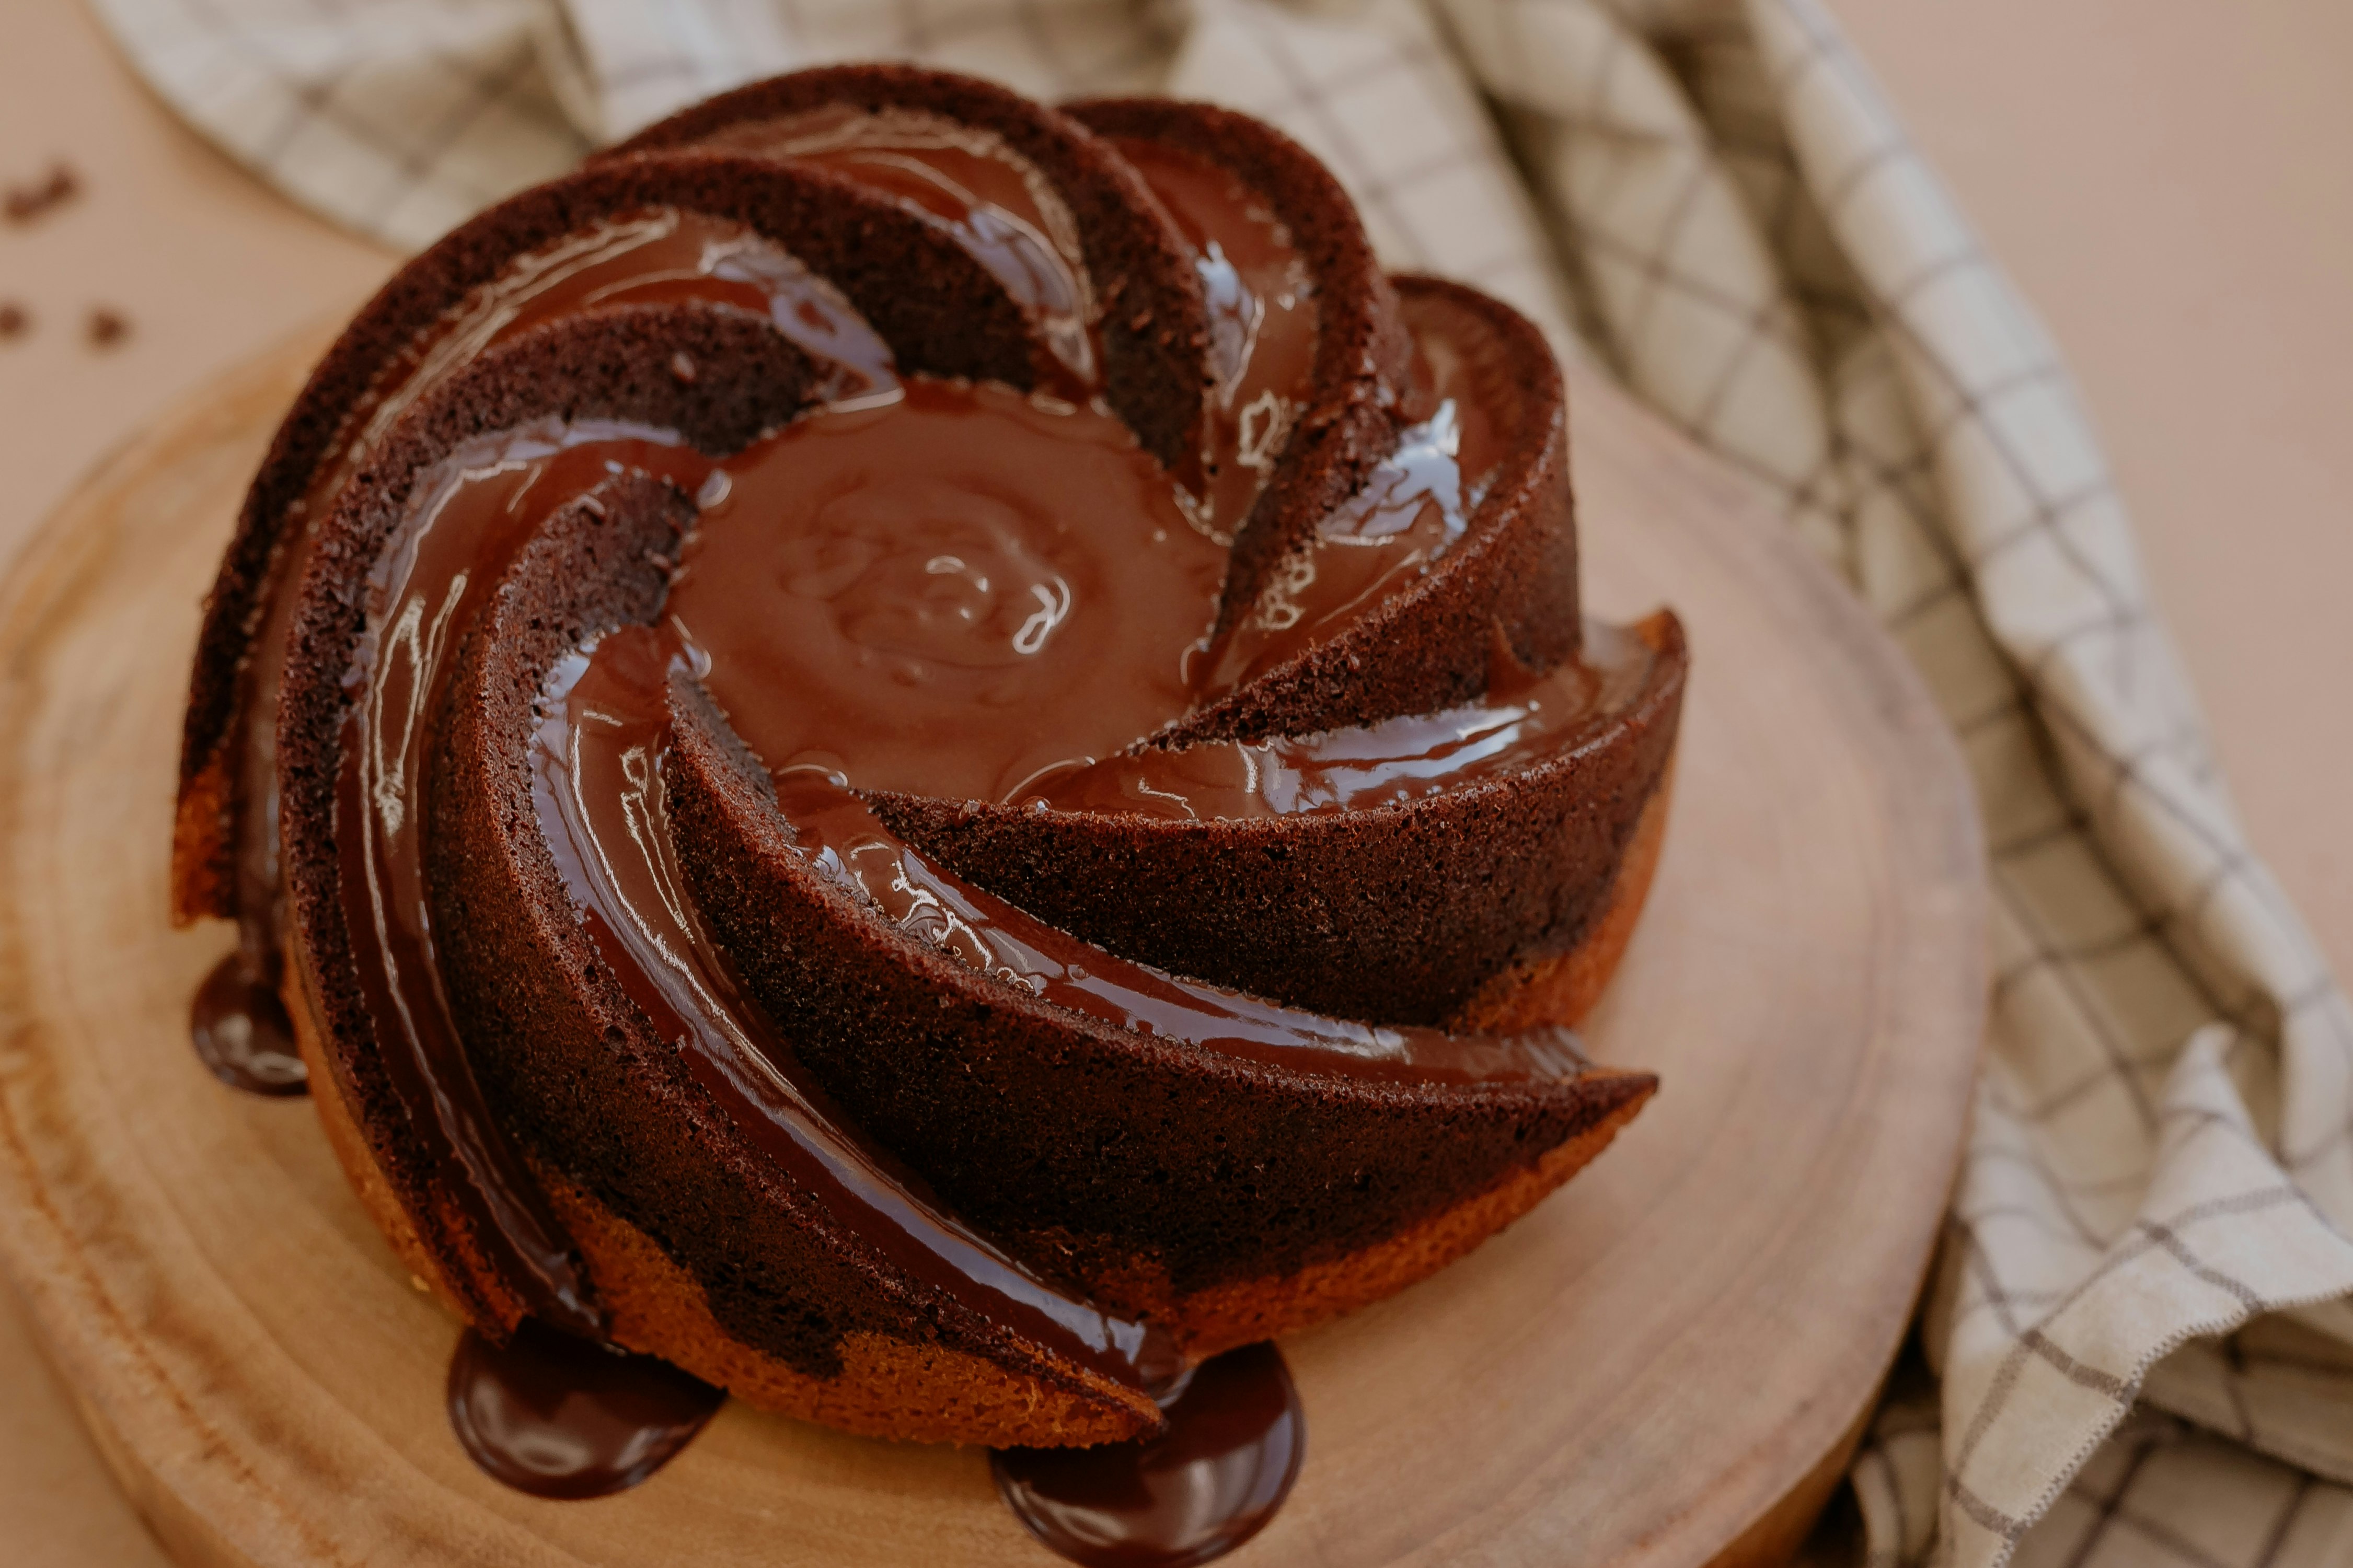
1562	987
1245	1312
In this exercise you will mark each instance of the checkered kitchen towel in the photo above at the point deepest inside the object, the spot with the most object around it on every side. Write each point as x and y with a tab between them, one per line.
2141	1347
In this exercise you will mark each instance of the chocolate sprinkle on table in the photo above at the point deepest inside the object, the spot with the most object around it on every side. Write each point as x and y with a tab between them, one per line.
26	202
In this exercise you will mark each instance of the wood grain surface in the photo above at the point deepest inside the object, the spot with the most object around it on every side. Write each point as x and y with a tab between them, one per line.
1661	1367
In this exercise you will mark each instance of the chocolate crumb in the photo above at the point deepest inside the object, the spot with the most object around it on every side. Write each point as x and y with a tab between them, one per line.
107	328
27	202
13	320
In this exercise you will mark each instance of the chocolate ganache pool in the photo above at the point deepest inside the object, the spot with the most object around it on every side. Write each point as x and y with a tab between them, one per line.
933	765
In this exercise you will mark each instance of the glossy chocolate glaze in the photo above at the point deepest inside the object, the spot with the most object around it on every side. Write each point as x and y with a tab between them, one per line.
560	1416
1236	1437
1025	646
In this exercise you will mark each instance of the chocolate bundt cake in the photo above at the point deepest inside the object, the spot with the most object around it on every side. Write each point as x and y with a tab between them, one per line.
929	755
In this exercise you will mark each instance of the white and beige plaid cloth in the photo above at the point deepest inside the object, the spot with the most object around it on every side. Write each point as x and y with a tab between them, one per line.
2141	1346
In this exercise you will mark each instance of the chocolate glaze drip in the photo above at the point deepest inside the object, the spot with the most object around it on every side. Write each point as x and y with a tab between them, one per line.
1236	1437
560	1416
241	1030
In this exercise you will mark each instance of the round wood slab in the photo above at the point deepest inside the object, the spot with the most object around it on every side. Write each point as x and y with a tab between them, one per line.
1663	1365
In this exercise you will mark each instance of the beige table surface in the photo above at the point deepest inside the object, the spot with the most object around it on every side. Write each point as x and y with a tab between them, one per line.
2165	178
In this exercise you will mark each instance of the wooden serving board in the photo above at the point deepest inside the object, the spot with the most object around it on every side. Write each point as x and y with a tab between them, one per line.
1663	1365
